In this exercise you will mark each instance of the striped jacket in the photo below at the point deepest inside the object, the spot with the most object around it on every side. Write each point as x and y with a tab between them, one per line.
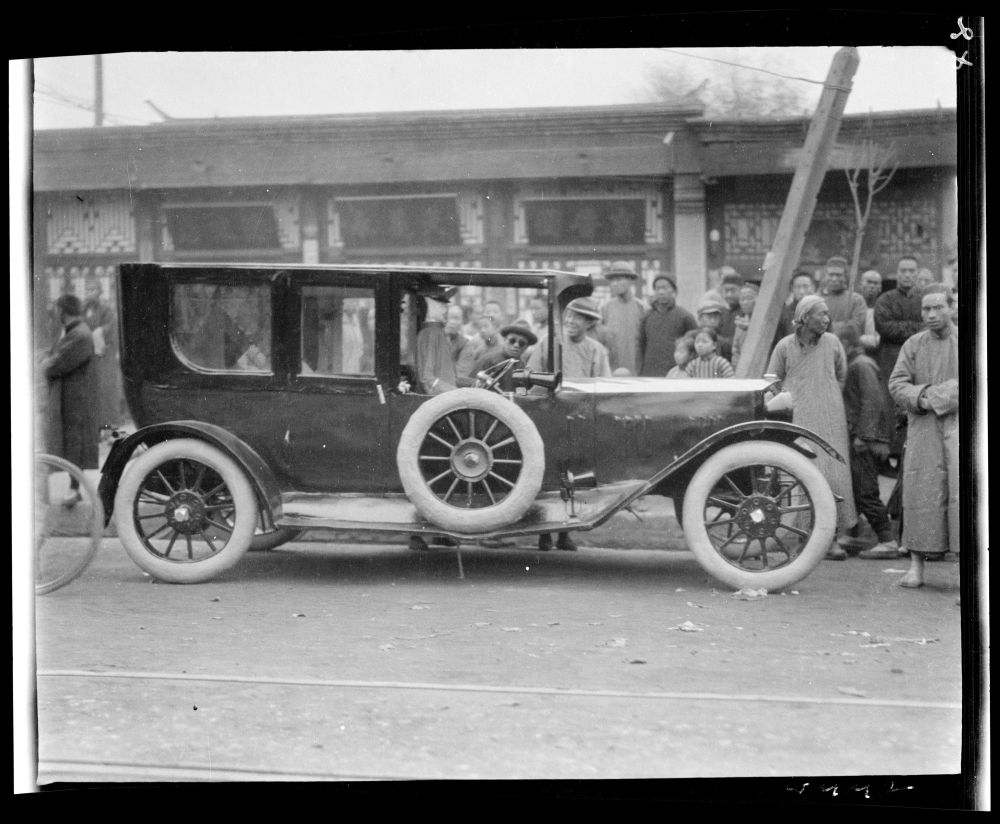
714	366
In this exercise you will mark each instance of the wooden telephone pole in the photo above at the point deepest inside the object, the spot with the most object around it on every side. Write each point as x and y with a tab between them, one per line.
98	90
799	207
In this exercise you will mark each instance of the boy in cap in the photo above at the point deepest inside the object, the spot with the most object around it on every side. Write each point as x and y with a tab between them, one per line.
582	357
711	313
622	316
869	427
663	324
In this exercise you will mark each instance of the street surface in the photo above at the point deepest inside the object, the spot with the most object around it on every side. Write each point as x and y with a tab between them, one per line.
336	661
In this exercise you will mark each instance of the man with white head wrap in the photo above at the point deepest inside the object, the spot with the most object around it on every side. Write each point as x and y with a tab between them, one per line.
813	367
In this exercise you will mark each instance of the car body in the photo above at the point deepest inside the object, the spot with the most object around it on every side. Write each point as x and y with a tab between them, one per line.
288	392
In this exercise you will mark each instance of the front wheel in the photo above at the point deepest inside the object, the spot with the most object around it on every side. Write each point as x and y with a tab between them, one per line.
759	515
185	511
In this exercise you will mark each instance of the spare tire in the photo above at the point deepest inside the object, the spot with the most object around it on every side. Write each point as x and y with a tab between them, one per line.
471	461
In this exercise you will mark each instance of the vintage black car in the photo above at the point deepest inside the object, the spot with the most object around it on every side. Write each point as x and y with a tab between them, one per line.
271	399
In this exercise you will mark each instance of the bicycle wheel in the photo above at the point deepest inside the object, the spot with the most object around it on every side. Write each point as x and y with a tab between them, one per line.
68	527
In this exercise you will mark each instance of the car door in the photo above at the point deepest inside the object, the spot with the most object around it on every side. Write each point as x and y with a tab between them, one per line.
335	418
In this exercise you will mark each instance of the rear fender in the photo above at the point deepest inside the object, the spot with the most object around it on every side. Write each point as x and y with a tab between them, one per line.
261	478
673	478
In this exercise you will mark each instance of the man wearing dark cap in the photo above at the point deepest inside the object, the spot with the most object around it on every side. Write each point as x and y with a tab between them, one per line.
845	305
515	340
660	328
622	317
435	367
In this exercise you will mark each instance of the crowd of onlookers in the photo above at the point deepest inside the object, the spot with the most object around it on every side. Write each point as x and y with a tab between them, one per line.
842	358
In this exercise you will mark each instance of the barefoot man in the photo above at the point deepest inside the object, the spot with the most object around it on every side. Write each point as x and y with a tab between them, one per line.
925	384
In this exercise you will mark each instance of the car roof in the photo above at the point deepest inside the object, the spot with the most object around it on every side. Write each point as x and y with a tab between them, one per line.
451	275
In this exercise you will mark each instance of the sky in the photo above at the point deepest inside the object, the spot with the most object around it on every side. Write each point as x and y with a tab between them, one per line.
239	84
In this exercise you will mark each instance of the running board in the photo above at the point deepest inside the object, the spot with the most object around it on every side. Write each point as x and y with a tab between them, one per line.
395	513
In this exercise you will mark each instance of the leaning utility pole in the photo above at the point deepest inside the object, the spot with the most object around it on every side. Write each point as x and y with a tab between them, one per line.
98	90
795	220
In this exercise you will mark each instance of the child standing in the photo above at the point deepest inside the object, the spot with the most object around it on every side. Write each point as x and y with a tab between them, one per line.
708	364
683	352
748	300
869	426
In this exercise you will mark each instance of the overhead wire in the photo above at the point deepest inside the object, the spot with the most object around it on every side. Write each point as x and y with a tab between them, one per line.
744	66
53	95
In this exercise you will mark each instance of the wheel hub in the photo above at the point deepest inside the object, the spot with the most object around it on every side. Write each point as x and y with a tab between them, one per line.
758	516
185	512
471	460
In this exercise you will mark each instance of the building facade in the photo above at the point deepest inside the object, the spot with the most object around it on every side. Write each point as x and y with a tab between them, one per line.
566	188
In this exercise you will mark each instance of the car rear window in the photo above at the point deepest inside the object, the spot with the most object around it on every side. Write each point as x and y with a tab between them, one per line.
218	327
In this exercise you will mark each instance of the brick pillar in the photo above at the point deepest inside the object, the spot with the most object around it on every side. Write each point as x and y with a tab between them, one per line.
690	253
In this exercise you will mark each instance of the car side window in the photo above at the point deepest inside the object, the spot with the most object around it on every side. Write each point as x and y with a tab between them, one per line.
216	327
338	331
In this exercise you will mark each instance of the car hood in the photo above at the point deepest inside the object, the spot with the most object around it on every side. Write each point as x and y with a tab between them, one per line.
636	385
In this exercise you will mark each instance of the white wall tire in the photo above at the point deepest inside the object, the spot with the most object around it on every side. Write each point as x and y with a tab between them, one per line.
185	512
759	515
471	461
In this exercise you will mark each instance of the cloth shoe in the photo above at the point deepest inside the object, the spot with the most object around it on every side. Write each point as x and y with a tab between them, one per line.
544	542
72	499
836	553
884	551
566	544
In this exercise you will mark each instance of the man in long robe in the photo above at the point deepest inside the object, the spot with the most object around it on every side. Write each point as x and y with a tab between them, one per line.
71	425
622	317
897	317
924	382
435	367
664	323
812	364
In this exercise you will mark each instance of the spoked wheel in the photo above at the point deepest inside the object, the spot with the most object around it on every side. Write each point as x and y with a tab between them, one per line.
68	526
471	460
185	511
759	515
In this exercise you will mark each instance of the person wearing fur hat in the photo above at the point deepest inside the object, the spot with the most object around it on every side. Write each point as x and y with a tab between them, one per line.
813	367
622	317
663	324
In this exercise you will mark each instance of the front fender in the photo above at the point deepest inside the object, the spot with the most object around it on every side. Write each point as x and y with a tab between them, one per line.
679	471
261	478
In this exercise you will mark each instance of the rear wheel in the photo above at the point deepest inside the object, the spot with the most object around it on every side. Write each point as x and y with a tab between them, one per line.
759	515
185	512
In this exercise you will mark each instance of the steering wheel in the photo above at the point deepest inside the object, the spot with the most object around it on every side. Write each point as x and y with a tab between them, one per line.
489	378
